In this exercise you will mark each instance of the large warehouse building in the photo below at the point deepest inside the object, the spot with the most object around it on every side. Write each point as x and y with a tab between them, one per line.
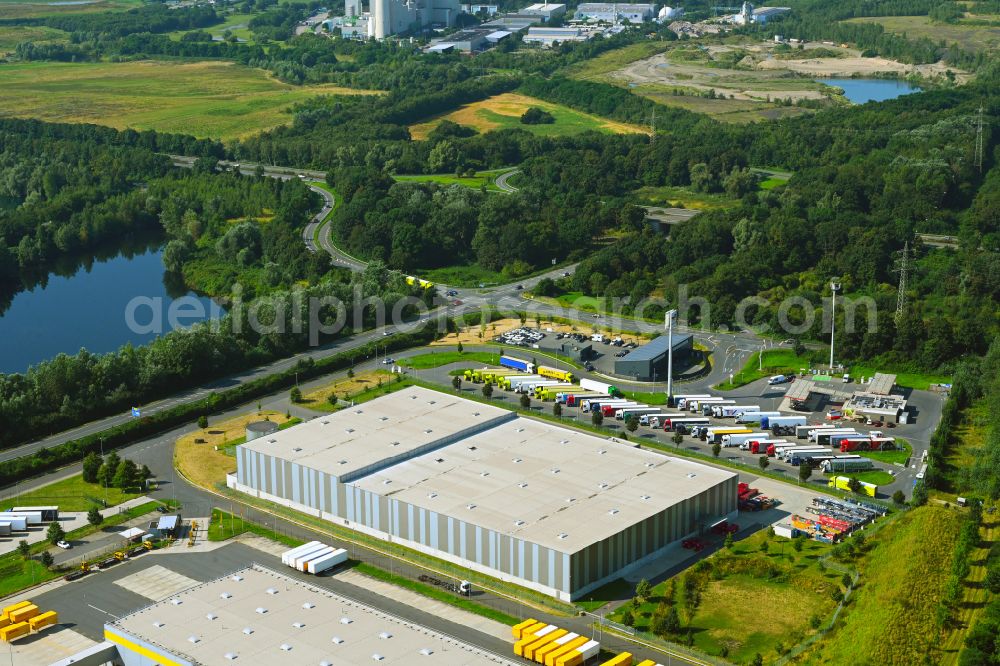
648	363
259	617
548	508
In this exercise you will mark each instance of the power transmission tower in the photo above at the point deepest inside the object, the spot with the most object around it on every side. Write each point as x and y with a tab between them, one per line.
652	129
979	140
903	268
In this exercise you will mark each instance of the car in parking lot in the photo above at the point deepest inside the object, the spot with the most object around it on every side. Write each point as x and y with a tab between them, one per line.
387	361
777	379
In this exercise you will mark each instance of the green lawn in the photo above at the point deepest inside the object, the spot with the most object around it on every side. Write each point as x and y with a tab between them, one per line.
471	275
13	9
876	476
967	34
914	380
893	615
437	359
206	99
71	494
17	574
681	197
900	455
599	68
776	362
785	588
647	398
772	182
481	179
602	596
224	525
11	35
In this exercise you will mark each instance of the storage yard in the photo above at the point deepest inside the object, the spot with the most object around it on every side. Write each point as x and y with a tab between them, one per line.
548	508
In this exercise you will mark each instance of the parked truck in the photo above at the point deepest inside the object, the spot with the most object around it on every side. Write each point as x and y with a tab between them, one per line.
814	434
551	389
769	422
843	483
609	410
825	437
708	408
684	424
556	373
624	413
517	364
328	561
647	419
577	400
761	446
754	417
725	411
514	383
679	401
802	431
847	464
596	403
715	434
600	387
736	440
695	404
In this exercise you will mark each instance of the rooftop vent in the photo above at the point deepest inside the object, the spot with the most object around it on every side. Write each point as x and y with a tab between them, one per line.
470	506
645	497
230	656
613	512
337	639
385	635
563	535
383	418
211	616
692	475
325	422
359	411
472	448
307	605
570	500
298	625
341	462
297	449
247	630
348	430
602	485
440	460
520	430
286	647
431	495
601	452
522	485
237	578
554	470
519	522
386	482
193	639
157	624
427	652
225	595
428	431
377	657
393	443
271	590
176	602
261	610
564	441
649	464
272	441
517	460
432	402
475	413
346	620
484	473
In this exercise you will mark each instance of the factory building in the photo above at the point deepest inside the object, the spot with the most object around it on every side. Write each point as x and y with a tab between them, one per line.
390	17
551	509
549	36
759	16
615	12
649	362
260	617
545	11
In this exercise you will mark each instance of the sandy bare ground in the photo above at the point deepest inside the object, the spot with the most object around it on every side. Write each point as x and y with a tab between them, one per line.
742	85
850	66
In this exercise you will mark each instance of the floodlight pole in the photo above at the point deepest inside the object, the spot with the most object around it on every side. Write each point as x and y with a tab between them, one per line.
670	352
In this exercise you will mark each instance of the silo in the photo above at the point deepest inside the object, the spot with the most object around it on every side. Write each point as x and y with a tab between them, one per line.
257	429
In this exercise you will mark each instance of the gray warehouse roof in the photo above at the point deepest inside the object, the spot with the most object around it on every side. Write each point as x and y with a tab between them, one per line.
359	439
221	621
882	384
654	349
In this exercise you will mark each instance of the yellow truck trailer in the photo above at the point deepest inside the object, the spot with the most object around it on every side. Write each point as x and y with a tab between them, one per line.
14	631
43	621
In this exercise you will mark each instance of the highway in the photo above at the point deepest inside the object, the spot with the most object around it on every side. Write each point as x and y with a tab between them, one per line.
502	181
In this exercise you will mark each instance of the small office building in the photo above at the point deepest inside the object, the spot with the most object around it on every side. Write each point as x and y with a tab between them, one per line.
649	362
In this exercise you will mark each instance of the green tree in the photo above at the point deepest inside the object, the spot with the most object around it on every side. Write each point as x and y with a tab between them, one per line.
628	619
456	383
992	580
763	462
487	390
557	410
854	485
24	549
677	439
898	498
202	421
919	495
350	373
797	543
643	589
55	533
716	449
91	466
632	423
105	474
597	418
846	581
758	660
805	471
145	474
126	475
460	347
46	559
765	547
525	401
94	516
332	398
728	543
295	395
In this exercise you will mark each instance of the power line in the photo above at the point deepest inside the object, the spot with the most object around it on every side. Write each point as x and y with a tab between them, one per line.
903	268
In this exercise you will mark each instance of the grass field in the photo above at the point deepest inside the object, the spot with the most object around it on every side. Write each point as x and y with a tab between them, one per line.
70	494
463	276
347	388
10	36
682	197
967	34
224	525
206	99
876	476
201	455
437	359
788	587
970	437
892	618
599	68
504	112
900	455
10	9
776	362
913	380
481	179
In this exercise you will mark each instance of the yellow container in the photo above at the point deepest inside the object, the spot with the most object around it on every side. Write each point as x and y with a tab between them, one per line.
548	648
519	628
23	614
624	659
530	637
14	631
46	619
13	607
530	651
567	649
647	662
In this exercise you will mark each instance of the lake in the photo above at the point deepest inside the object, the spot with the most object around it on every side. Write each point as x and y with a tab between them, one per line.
860	91
91	307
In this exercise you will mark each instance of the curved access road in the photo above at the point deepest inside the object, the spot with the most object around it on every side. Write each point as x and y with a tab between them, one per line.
502	181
